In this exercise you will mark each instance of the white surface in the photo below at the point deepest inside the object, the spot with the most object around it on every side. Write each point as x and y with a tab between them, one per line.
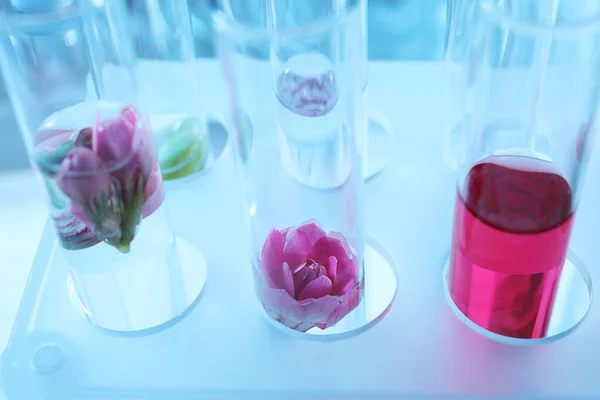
226	349
23	208
22	218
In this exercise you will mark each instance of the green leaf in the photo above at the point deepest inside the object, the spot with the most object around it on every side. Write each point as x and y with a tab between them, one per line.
132	210
49	161
185	150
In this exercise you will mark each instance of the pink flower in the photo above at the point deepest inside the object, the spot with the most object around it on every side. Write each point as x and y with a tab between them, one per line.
125	143
121	141
84	138
122	182
85	181
113	139
311	277
82	177
154	193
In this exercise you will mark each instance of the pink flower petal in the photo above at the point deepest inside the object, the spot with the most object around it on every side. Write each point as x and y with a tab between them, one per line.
95	133
296	249
321	270
287	279
316	289
312	231
146	157
272	255
156	192
303	277
347	274
82	177
298	315
318	311
277	274
332	268
155	200
344	242
306	325
78	213
129	114
350	301
113	140
283	308
327	247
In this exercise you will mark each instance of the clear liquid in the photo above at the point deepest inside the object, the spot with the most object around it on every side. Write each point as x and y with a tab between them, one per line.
313	136
304	163
122	287
133	291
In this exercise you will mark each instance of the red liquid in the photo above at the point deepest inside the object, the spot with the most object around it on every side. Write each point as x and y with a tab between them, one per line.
511	233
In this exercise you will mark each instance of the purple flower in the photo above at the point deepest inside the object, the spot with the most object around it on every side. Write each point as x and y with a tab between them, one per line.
312	278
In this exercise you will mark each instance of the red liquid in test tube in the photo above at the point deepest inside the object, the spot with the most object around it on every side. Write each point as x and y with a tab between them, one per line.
511	232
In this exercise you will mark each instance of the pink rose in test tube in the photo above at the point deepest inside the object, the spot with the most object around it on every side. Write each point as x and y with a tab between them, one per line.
311	277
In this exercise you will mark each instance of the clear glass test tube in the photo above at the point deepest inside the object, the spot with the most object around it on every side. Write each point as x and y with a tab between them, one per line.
164	41
528	110
304	119
459	17
379	135
69	74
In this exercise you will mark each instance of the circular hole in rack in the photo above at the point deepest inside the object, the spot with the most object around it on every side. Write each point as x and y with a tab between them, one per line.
136	318
571	304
